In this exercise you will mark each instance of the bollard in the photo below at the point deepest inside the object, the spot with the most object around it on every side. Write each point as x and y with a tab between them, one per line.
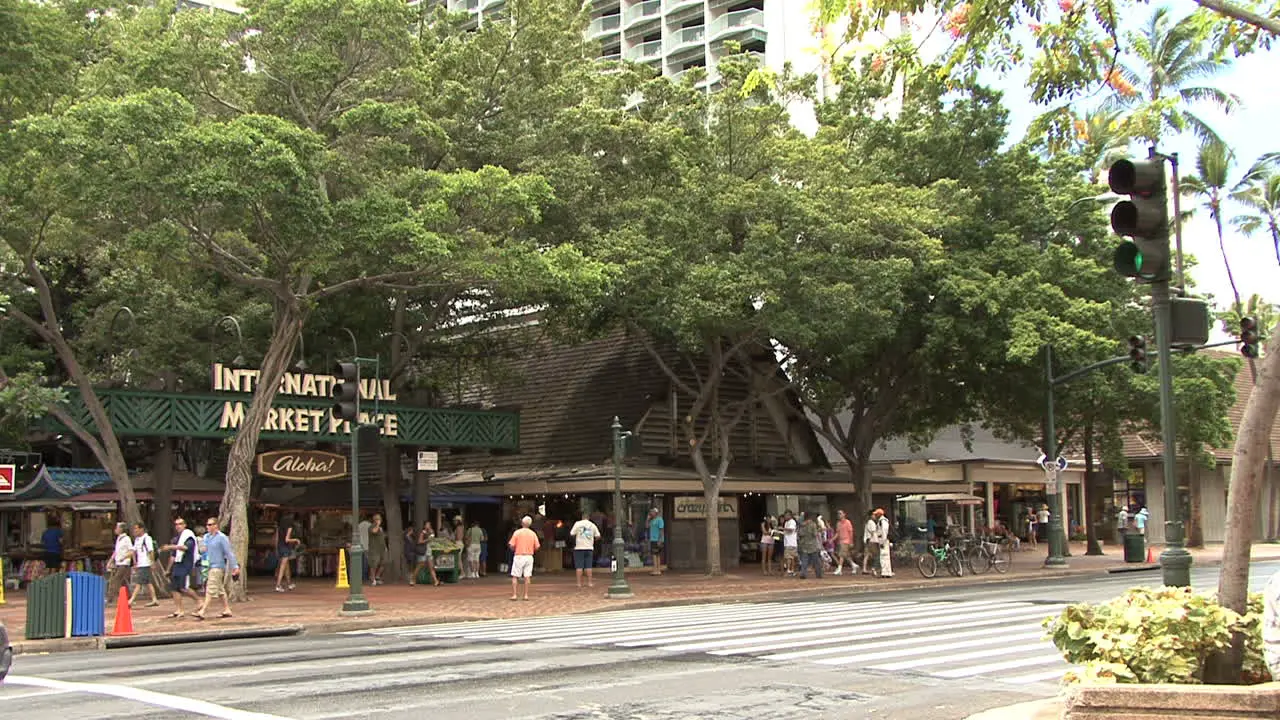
66	633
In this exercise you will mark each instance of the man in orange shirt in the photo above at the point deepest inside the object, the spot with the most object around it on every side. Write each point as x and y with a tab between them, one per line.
844	544
524	543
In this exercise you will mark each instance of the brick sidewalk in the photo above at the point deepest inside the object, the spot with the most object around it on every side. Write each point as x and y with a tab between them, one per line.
315	603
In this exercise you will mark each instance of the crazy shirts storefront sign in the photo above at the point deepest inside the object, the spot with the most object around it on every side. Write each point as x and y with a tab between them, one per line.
302	465
695	508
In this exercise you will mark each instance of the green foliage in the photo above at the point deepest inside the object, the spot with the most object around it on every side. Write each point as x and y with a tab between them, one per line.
1155	636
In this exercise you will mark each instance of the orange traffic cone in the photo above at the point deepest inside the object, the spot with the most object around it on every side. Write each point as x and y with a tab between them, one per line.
124	615
1150	559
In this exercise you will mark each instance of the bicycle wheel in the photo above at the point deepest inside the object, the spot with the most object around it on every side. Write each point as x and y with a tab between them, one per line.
955	564
928	565
1003	559
979	560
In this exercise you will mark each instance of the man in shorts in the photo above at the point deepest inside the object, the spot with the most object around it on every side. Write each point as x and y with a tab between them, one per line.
222	562
182	566
585	534
657	539
524	544
143	552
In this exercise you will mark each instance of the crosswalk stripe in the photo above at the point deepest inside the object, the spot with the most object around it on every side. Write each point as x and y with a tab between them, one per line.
561	622
808	638
587	627
927	649
959	657
1031	616
778	624
1001	666
948	639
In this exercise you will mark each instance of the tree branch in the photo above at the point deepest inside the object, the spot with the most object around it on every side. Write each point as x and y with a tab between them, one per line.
366	281
1236	12
681	385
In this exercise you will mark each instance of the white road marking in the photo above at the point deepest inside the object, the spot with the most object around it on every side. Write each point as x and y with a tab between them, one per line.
176	703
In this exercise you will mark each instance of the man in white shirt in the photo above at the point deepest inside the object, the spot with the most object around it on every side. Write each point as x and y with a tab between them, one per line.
143	547
584	534
875	535
121	563
790	544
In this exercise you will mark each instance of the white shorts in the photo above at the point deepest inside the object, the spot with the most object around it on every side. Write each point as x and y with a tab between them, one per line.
522	566
473	554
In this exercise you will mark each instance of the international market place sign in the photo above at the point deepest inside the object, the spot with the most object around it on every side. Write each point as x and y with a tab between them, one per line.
301	412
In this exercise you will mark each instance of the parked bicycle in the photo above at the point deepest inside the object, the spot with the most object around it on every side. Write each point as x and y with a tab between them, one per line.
944	555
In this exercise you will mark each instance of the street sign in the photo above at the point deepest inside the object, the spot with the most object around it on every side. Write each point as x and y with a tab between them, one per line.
428	461
1061	463
8	480
1051	480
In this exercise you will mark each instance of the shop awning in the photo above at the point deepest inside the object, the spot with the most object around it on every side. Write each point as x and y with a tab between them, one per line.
59	483
957	498
73	504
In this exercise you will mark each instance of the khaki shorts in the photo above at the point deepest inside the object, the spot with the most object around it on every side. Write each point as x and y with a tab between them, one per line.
216	585
790	552
845	552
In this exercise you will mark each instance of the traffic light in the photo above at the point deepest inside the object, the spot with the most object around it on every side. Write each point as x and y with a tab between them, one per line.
346	393
1138	354
1248	337
1143	218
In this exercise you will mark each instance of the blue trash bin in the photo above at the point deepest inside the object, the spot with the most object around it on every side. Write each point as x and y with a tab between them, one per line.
88	608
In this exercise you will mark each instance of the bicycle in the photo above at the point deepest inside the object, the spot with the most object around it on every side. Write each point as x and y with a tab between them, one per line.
944	555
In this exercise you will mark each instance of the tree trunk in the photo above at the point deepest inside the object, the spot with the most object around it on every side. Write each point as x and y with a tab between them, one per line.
711	495
286	329
1247	465
860	474
1195	519
391	513
162	492
1093	499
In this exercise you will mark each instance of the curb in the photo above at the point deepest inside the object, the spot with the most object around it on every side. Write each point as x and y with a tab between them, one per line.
1133	568
180	638
41	647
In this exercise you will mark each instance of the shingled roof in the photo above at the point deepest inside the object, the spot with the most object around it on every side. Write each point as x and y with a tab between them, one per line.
567	397
1142	446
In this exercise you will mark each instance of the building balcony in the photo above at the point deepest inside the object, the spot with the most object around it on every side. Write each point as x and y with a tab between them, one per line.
738	22
646	52
686	39
681	9
602	26
492	5
644	11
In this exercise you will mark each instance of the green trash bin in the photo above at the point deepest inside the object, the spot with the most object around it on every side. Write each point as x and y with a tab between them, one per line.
448	564
47	607
1135	547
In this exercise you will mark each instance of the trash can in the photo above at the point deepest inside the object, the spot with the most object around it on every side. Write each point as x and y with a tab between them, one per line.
47	606
448	564
1135	547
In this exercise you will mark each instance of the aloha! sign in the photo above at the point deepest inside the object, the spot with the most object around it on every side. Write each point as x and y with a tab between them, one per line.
302	465
308	420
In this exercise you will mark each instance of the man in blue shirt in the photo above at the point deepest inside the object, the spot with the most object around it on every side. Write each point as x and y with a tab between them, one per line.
657	536
222	561
51	540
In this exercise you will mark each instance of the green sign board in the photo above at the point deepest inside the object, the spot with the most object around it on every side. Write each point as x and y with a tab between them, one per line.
163	414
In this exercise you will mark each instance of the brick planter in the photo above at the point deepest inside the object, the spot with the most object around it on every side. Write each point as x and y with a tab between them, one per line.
1180	702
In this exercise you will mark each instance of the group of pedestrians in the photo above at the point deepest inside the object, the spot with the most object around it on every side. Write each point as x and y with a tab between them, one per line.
807	542
136	554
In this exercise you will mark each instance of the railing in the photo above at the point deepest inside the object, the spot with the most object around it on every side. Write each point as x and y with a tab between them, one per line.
602	25
643	10
687	37
738	20
646	51
673	5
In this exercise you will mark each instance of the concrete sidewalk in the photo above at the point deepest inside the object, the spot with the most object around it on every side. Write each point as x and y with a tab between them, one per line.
314	606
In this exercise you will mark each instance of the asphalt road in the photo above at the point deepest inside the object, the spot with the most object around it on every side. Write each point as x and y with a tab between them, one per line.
938	653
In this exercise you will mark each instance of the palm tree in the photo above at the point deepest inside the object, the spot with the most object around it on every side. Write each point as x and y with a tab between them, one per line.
1260	192
1102	137
1209	185
1175	56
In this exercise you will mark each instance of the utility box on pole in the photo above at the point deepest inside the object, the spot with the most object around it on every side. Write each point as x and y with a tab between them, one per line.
1190	322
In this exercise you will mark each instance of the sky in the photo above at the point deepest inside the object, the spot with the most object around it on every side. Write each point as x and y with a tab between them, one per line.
1250	131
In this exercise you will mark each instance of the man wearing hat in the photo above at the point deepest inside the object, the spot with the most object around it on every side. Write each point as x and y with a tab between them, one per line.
876	537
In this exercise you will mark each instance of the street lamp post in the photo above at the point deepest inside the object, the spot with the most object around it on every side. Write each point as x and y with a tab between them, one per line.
1057	533
619	589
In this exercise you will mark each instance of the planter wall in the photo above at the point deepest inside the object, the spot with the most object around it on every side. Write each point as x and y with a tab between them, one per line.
1180	702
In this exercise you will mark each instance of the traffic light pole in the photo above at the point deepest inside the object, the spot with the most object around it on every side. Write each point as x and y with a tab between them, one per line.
1057	531
348	408
1175	561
